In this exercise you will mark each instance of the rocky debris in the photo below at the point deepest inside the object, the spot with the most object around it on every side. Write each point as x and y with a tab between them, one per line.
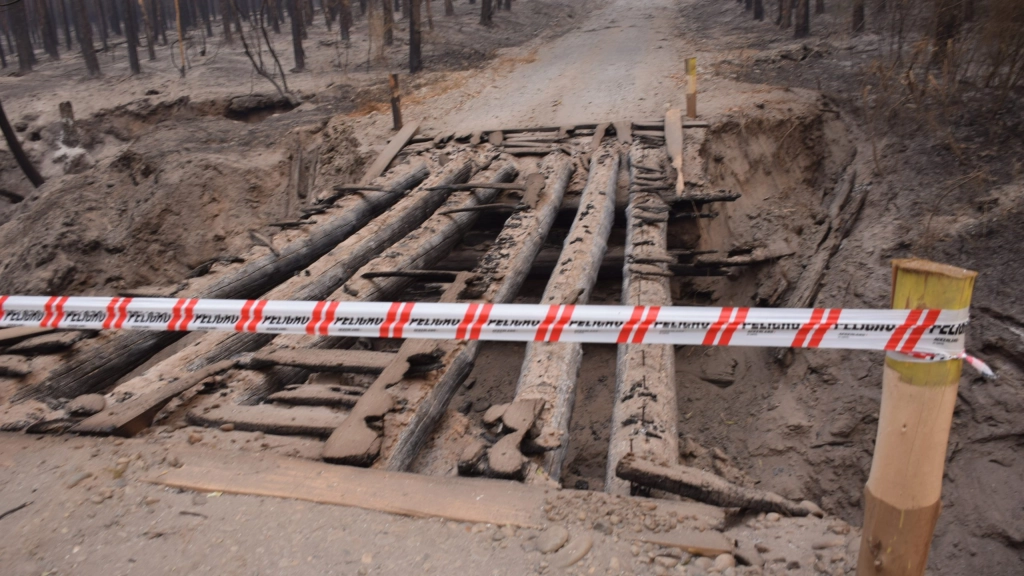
494	413
195	438
86	405
724	561
552	539
78	478
575	550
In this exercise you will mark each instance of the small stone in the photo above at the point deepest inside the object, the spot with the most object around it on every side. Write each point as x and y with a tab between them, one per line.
199	499
772	517
481	405
666	561
615	520
552	539
703	563
227	427
367	558
634	550
660	570
603	528
498	536
86	405
793	565
577	549
724	561
581	515
814	508
77	479
824	543
762	548
149	501
97	499
20	126
195	438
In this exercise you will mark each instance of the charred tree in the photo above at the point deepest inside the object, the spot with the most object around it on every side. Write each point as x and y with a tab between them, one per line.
92	64
948	20
16	150
103	23
181	35
345	19
115	19
415	37
758	9
485	13
300	56
204	13
49	30
389	22
449	8
225	17
802	28
858	16
64	19
273	13
819	6
131	34
3	59
19	22
147	25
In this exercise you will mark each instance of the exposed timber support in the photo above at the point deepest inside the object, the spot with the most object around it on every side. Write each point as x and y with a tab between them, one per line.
547	380
674	147
644	419
497	279
325	276
112	355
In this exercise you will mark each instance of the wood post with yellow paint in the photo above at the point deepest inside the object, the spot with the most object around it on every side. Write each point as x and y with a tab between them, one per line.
903	493
691	89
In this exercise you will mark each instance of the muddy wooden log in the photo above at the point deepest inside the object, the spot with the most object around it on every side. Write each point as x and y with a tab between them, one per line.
8	335
105	359
422	248
699	197
497	279
550	369
297	421
324	276
318	395
481	185
350	361
706	487
644	418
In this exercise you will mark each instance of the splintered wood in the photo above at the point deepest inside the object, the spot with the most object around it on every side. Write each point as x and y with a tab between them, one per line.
644	419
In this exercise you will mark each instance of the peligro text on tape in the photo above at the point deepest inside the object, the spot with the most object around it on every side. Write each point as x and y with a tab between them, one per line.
921	335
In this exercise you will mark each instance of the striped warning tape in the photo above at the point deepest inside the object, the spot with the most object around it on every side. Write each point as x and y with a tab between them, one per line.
920	335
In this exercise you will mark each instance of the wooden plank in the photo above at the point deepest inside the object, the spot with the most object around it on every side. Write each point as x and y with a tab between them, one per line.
295	421
380	165
352	361
674	146
624	132
595	141
550	369
318	395
460	499
644	414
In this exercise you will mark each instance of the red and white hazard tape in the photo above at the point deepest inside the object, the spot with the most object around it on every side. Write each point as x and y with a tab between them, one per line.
910	334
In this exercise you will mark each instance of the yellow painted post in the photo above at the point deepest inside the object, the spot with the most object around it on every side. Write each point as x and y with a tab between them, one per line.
691	89
903	493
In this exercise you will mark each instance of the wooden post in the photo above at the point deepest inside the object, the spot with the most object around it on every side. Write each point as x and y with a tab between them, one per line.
181	35
691	87
396	101
903	493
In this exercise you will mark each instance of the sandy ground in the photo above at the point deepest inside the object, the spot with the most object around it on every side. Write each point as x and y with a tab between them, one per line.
804	429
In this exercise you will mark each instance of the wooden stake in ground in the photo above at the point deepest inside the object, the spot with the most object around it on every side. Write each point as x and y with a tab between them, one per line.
19	154
674	146
691	85
396	101
181	35
903	493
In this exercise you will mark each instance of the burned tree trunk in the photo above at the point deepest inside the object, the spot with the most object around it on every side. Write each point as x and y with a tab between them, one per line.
758	9
92	63
802	29
819	6
115	19
181	35
300	55
49	30
103	23
225	17
415	34
147	25
388	14
485	13
131	34
62	8
858	16
18	152
19	22
786	13
449	8
345	19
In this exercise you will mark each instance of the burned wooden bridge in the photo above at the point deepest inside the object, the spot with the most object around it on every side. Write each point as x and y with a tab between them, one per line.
616	191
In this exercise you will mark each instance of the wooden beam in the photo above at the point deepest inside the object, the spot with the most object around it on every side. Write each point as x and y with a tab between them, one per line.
318	395
550	369
903	495
351	361
324	276
674	147
644	414
295	421
21	332
380	165
501	273
100	361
